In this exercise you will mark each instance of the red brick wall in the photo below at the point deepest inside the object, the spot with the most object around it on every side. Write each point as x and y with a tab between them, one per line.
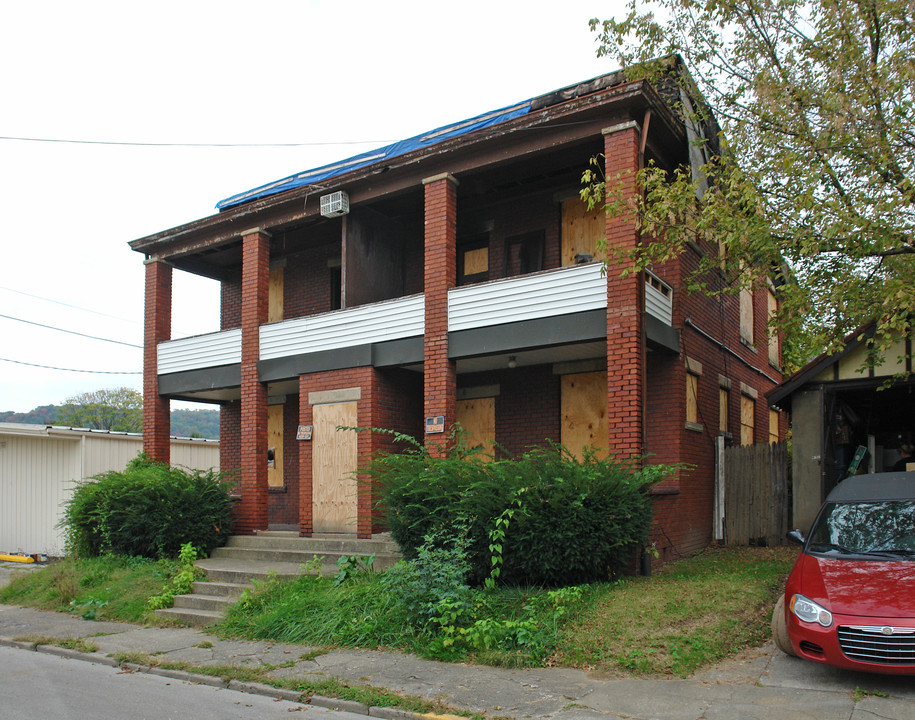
230	303
157	328
527	407
625	308
440	274
536	212
683	521
251	512
306	282
230	448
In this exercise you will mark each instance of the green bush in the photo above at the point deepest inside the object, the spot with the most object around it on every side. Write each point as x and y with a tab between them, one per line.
545	519
149	509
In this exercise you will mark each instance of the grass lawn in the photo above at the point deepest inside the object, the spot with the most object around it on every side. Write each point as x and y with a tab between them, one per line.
689	614
103	588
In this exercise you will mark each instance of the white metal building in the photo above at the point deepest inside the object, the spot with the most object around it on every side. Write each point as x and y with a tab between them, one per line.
41	464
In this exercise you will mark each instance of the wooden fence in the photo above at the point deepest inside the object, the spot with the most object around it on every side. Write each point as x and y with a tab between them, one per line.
752	502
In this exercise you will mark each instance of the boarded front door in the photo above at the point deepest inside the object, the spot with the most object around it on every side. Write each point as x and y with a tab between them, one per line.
478	419
584	412
334	462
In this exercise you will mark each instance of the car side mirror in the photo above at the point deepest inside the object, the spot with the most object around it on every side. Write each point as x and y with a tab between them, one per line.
796	536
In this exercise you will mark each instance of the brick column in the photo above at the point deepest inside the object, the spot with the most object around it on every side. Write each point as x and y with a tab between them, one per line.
157	328
440	377
625	304
251	512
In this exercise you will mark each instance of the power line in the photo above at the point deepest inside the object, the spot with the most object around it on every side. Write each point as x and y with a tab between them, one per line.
71	332
94	372
191	145
75	307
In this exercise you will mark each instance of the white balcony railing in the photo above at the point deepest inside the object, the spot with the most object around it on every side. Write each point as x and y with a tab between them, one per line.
555	292
389	320
658	298
577	288
200	351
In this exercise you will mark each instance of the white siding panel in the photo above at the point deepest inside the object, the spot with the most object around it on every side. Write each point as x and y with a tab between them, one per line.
39	470
556	292
658	305
378	322
200	351
195	454
37	476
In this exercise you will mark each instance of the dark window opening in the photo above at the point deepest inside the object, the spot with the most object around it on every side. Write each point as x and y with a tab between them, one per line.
524	253
336	288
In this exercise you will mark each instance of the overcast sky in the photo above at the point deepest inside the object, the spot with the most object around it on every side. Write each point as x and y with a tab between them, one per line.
341	76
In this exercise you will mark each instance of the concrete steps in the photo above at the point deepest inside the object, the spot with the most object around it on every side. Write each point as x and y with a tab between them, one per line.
246	560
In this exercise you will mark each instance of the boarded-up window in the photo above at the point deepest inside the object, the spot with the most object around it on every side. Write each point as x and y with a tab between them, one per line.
773	425
692	398
582	231
473	258
723	398
771	310
583	407
746	315
275	295
747	419
477	418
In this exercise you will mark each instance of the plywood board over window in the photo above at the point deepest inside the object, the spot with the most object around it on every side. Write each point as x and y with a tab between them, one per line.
582	230
478	420
583	407
275	444
275	285
747	420
334	462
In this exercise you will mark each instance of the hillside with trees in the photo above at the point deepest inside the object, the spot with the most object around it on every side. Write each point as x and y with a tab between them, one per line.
185	423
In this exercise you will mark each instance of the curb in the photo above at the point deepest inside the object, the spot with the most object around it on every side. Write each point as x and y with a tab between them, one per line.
252	688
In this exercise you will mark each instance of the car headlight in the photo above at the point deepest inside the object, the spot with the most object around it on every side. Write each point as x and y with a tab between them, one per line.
809	611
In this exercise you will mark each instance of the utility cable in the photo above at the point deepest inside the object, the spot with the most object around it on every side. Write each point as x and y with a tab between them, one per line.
72	332
190	145
75	307
94	372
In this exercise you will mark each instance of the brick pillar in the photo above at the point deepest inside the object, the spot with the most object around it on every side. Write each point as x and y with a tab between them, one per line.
157	328
625	304
251	513
440	377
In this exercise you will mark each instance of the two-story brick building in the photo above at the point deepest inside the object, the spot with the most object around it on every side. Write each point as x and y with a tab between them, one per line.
456	277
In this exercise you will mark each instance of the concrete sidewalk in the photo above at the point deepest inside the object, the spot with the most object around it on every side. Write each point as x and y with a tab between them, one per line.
761	683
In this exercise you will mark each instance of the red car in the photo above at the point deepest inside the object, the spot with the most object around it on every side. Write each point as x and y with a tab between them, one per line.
850	598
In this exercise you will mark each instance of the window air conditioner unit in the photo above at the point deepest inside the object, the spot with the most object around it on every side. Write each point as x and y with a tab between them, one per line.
335	204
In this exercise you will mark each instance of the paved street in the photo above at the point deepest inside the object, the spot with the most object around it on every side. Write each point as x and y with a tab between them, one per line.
758	684
39	686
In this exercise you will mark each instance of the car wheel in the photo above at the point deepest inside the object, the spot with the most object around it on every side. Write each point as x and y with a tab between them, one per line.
780	628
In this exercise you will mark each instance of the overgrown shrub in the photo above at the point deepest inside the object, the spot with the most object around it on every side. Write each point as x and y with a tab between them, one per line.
545	519
150	509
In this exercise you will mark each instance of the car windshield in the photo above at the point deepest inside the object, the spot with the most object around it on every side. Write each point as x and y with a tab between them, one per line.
884	529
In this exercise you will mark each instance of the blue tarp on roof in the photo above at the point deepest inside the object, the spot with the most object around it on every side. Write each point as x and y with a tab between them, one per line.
385	153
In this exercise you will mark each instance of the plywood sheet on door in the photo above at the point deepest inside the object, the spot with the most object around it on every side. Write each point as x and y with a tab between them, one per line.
582	229
584	412
334	462
478	419
275	441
